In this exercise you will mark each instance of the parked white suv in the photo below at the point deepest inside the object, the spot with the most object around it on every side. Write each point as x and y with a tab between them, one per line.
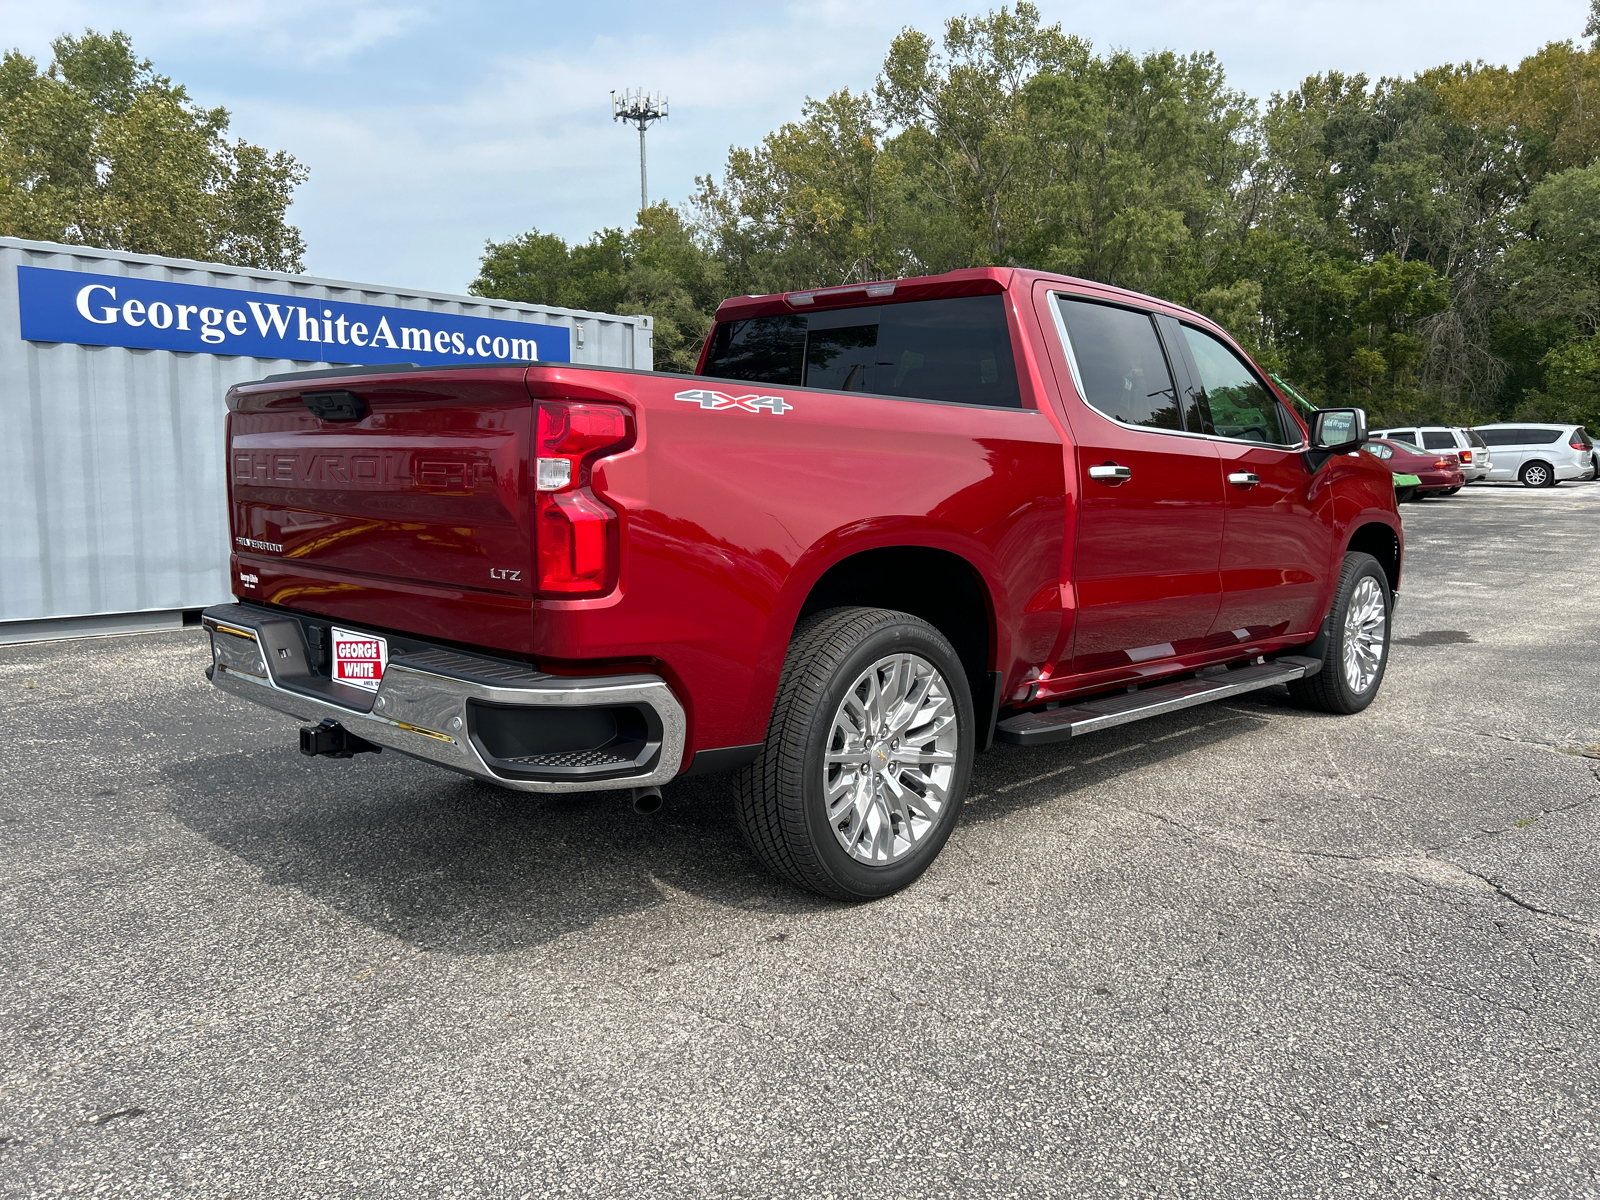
1539	455
1465	443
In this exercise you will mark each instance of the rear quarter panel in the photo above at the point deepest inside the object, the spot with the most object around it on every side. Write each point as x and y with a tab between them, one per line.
730	516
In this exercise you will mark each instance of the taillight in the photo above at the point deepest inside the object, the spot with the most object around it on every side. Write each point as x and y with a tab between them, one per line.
1577	445
1465	456
1442	464
576	535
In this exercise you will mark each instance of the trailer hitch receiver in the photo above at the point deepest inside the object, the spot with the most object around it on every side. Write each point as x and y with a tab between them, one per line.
329	739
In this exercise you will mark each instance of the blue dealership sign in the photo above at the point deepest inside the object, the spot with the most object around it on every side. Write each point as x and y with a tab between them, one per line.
118	310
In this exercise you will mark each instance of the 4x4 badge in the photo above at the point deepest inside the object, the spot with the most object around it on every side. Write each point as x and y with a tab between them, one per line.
720	400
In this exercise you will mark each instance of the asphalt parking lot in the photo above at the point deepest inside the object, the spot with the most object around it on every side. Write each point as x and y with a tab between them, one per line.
1239	951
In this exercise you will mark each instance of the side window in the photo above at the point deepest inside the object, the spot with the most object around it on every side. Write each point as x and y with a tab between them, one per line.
1241	406
1121	366
1437	440
1378	450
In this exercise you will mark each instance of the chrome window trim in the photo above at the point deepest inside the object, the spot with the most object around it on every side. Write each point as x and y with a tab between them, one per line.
1077	381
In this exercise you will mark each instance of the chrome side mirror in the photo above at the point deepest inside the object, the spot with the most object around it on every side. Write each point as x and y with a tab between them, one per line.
1338	430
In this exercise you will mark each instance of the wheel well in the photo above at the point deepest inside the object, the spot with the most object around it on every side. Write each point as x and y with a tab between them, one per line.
942	588
1380	542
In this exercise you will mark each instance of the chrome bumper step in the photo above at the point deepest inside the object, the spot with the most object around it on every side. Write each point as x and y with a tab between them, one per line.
1121	708
444	706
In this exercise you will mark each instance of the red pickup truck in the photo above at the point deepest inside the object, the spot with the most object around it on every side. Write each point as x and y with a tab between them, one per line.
882	526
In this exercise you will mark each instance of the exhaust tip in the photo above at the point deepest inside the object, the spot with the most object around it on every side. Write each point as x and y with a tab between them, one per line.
646	800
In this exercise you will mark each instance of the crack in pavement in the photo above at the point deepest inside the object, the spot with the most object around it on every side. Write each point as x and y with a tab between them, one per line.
1400	863
1485	834
1409	981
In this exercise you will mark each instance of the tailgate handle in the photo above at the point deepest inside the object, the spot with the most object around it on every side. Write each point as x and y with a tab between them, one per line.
335	406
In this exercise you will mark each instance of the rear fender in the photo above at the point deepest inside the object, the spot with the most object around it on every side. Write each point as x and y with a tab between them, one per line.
844	543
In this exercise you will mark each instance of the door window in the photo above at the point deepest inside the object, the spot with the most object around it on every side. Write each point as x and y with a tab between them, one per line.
1378	449
1241	405
1438	440
1119	363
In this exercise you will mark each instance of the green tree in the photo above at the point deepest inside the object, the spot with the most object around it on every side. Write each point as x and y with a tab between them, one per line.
1425	246
817	202
100	150
1572	386
658	268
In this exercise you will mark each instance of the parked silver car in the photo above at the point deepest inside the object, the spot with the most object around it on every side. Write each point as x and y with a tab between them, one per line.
1539	455
1465	443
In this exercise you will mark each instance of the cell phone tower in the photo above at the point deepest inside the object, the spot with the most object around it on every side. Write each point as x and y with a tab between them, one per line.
639	108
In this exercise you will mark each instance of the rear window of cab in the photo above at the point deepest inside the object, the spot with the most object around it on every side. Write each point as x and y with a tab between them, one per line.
956	350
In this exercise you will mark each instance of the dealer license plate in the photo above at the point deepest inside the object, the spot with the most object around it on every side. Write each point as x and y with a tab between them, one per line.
359	658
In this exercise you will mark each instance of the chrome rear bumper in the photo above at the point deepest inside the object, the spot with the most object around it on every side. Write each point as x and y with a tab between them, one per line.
441	705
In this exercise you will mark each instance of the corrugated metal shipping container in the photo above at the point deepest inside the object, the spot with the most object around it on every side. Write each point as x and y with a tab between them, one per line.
114	502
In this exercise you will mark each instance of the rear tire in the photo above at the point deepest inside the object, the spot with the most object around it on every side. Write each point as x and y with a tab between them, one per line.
1357	644
1538	474
828	806
1451	491
1404	495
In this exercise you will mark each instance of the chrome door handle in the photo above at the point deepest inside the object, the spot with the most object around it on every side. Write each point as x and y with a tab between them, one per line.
1244	478
1110	473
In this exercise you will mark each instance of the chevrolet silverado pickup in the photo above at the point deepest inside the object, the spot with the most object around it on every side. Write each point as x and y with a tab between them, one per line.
881	527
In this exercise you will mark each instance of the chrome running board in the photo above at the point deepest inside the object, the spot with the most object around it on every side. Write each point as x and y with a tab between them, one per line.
1121	708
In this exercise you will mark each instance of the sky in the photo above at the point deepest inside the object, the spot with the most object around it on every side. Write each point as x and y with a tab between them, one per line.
430	127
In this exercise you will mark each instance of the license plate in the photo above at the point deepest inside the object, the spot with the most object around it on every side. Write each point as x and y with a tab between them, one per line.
359	658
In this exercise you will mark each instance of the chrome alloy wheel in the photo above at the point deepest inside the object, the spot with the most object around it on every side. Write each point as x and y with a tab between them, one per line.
891	759
1366	629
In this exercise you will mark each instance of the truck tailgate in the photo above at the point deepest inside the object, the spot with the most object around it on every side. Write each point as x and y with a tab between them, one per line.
397	501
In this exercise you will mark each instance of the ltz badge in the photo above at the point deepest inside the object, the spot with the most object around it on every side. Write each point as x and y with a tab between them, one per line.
718	401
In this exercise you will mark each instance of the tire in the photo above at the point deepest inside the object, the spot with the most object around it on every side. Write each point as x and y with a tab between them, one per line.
1451	491
783	804
1333	689
1404	495
1538	474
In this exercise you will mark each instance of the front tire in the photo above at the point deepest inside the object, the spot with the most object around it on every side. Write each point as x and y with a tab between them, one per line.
1357	643
867	758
